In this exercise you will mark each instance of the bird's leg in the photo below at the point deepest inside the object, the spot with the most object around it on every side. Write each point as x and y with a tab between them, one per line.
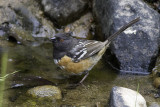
86	75
73	86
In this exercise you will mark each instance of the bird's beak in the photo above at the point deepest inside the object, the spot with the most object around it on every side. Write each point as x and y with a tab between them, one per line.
53	39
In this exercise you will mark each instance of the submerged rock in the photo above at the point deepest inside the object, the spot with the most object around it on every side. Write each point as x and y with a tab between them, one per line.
124	97
29	81
64	11
156	82
137	47
47	91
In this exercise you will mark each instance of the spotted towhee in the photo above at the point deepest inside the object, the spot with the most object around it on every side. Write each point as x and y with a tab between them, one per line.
77	56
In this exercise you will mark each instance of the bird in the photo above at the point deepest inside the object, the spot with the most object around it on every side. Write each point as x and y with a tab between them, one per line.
79	56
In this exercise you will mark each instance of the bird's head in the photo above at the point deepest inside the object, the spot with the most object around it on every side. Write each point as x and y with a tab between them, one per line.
62	41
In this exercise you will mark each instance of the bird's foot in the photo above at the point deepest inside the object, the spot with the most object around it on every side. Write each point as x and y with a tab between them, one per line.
73	86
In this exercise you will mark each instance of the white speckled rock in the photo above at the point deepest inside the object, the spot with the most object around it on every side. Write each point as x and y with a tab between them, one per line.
136	48
124	97
47	91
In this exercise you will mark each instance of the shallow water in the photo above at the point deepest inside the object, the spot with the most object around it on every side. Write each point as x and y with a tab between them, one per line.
37	61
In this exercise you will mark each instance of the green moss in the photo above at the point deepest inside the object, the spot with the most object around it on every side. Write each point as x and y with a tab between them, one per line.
22	35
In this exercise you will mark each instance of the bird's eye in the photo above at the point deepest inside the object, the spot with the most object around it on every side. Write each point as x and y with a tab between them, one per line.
61	40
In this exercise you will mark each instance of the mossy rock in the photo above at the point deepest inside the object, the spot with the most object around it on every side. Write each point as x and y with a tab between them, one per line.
156	82
45	92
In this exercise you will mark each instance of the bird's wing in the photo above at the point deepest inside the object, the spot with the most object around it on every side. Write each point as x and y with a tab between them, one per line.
85	49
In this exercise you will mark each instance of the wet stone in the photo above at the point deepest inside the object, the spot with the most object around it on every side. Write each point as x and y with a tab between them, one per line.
47	91
156	82
154	104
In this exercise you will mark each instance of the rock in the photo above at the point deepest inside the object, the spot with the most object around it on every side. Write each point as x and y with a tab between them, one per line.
137	47
155	4
7	15
124	97
30	23
82	27
24	21
20	34
156	82
154	104
47	91
64	11
29	81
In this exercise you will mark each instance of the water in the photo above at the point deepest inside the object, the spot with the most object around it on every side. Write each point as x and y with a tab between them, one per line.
36	67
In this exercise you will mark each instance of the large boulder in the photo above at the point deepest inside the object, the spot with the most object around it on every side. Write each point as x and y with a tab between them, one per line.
136	48
124	97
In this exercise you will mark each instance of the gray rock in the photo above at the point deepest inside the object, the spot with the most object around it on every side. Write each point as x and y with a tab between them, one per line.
81	28
156	82
24	21
7	15
137	47
47	91
30	22
64	11
154	104
124	97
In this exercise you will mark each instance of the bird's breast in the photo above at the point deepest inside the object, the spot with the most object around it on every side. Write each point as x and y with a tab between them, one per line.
68	65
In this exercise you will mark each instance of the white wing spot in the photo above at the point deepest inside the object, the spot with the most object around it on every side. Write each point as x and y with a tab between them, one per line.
92	52
56	61
84	49
62	67
84	52
91	43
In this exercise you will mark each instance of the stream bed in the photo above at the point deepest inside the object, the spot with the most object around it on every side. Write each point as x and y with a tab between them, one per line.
34	62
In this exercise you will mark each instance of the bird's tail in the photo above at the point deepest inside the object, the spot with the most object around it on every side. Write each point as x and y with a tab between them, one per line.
122	29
